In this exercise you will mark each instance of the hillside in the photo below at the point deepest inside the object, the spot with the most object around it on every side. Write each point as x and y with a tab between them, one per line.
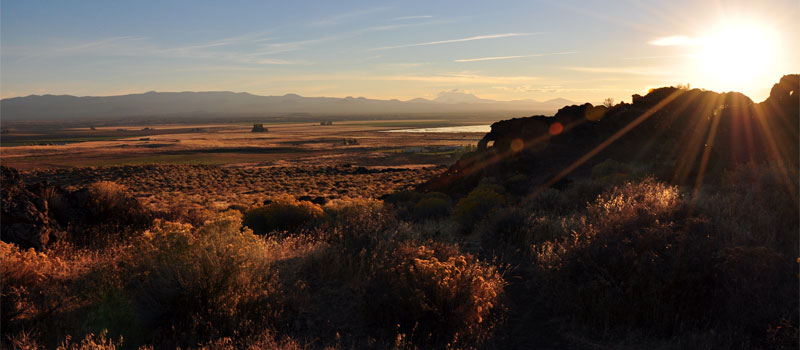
681	136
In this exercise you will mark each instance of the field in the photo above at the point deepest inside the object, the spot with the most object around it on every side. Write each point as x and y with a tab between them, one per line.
358	143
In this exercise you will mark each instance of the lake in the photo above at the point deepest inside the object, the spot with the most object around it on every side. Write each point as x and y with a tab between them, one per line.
448	129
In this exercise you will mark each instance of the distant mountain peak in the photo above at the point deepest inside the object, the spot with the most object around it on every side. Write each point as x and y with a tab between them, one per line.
458	96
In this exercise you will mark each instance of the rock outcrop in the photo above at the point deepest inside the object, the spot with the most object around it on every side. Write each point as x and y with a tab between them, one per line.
35	216
680	135
25	220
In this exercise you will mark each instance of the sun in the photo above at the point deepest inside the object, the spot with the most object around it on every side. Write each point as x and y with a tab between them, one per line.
736	55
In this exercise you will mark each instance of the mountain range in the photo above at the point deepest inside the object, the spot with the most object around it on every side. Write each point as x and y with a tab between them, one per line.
52	107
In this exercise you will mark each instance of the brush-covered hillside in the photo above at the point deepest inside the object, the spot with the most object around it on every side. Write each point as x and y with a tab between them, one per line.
681	136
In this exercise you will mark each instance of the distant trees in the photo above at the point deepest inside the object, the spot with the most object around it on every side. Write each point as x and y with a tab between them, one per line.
608	102
348	142
259	128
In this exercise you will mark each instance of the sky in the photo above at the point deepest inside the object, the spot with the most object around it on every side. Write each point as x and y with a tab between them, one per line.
584	51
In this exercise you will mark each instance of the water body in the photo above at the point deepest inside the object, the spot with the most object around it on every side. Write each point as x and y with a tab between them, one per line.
448	129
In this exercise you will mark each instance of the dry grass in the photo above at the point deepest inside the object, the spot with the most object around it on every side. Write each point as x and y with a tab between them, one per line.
213	187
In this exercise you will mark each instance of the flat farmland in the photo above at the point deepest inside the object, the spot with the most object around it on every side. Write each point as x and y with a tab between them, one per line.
357	143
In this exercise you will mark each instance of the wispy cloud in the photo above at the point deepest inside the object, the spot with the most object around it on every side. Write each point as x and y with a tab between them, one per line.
458	78
513	57
407	18
656	57
472	38
347	16
621	70
675	40
440	79
253	48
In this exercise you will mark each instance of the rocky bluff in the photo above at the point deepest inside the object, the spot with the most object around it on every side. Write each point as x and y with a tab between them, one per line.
678	135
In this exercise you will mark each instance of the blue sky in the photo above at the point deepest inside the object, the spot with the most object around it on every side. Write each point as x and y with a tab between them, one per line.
583	51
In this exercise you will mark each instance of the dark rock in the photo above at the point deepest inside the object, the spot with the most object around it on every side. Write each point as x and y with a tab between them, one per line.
668	130
320	200
25	220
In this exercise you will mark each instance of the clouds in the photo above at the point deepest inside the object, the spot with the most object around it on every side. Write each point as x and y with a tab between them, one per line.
347	16
513	57
450	41
407	18
646	71
675	40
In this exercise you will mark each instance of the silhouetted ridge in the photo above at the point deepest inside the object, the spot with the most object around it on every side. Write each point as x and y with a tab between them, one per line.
676	134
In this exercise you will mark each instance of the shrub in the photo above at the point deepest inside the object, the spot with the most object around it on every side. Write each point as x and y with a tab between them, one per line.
34	285
754	206
262	341
109	201
631	262
754	287
188	213
91	343
478	204
283	213
432	205
189	286
640	261
102	214
434	294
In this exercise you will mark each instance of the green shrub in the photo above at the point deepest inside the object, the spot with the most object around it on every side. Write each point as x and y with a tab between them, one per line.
283	213
478	204
432	205
610	169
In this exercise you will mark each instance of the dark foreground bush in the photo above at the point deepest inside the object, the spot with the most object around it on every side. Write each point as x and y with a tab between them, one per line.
190	286
283	213
434	294
432	205
641	262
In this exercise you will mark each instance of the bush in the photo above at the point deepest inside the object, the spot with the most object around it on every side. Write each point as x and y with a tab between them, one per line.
641	261
189	286
91	343
434	294
101	214
31	284
478	204
432	205
283	213
109	201
631	262
756	206
38	287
